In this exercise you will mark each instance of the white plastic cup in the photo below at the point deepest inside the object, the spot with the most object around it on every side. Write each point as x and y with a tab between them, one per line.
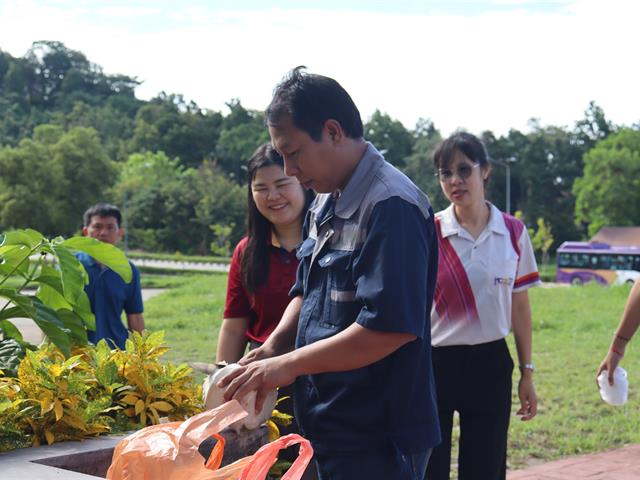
617	393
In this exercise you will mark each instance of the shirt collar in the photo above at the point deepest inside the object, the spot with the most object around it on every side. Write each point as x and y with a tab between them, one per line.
351	197
449	223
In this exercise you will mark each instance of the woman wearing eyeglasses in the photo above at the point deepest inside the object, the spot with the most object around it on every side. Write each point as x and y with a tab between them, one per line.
486	265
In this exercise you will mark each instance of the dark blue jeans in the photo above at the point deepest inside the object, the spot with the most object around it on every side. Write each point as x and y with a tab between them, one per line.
388	465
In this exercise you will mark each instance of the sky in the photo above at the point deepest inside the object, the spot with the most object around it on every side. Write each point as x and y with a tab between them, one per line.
478	65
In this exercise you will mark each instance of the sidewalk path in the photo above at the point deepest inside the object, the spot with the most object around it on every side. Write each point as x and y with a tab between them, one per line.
620	464
32	333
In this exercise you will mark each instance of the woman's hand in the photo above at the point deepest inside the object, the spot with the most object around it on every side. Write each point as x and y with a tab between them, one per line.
609	364
528	399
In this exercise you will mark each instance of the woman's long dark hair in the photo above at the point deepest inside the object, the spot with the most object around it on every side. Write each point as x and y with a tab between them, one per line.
254	263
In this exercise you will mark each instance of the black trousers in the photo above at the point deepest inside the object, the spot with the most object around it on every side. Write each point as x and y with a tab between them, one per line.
475	381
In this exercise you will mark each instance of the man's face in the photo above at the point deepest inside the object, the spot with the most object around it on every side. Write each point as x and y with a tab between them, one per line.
311	162
105	229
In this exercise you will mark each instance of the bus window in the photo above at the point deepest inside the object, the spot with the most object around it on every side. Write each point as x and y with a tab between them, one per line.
564	260
580	260
604	262
621	262
636	263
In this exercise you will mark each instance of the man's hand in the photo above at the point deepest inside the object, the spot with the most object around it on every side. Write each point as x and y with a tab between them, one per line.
263	352
259	375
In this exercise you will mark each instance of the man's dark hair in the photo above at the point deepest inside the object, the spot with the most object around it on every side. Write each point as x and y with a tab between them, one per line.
102	210
463	142
310	100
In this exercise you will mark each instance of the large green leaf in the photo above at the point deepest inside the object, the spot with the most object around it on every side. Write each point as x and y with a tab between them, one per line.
51	276
27	237
47	319
83	309
51	297
72	273
104	253
23	302
12	312
11	352
9	330
74	323
14	259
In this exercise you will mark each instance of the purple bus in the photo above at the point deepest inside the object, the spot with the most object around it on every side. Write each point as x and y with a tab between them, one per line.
582	262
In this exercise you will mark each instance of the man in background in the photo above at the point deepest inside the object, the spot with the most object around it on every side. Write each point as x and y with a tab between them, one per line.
108	293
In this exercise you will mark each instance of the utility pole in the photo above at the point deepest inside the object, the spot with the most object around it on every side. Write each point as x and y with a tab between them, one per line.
506	164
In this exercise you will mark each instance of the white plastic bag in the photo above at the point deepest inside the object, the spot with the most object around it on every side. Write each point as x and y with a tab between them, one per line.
617	393
213	398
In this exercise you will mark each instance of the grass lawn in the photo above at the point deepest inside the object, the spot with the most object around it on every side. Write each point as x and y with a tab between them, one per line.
572	330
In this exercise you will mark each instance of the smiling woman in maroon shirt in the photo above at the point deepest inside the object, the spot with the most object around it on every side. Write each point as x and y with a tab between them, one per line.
263	268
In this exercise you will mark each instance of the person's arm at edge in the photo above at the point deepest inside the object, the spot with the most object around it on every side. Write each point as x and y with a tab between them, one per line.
627	327
135	322
523	334
232	340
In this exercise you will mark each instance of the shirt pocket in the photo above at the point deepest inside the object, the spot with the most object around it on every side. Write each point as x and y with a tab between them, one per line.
340	306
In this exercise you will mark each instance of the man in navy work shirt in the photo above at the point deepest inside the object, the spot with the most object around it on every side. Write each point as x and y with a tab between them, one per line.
108	293
359	317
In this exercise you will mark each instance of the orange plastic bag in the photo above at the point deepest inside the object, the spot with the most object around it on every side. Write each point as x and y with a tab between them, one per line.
257	465
170	451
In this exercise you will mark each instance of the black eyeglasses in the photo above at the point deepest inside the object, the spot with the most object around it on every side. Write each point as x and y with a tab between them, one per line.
463	171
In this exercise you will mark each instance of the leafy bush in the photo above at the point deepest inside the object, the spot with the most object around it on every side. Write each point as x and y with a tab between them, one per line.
60	306
95	391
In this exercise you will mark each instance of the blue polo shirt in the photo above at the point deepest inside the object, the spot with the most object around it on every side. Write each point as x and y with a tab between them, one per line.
109	296
369	256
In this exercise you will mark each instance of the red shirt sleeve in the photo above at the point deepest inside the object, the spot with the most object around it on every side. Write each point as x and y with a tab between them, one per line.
237	303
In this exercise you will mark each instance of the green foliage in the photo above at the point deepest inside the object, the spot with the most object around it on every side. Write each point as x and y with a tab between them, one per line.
94	124
542	240
221	244
51	179
95	391
60	306
607	194
389	136
171	207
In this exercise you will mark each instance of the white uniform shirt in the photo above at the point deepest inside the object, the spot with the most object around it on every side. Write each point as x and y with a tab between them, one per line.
477	277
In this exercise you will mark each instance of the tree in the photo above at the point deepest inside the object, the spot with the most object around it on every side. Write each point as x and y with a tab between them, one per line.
419	165
52	178
608	191
243	131
593	127
389	136
180	129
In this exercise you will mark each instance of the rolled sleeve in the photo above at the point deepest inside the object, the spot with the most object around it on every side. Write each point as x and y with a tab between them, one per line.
133	304
391	271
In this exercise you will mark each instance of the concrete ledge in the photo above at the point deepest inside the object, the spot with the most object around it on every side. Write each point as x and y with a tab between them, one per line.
90	459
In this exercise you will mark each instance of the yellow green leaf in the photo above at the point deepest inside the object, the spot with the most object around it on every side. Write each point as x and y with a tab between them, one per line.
272	431
162	406
130	399
139	406
57	408
49	436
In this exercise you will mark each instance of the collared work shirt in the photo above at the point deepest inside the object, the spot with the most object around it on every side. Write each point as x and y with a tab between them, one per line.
477	278
370	258
109	296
